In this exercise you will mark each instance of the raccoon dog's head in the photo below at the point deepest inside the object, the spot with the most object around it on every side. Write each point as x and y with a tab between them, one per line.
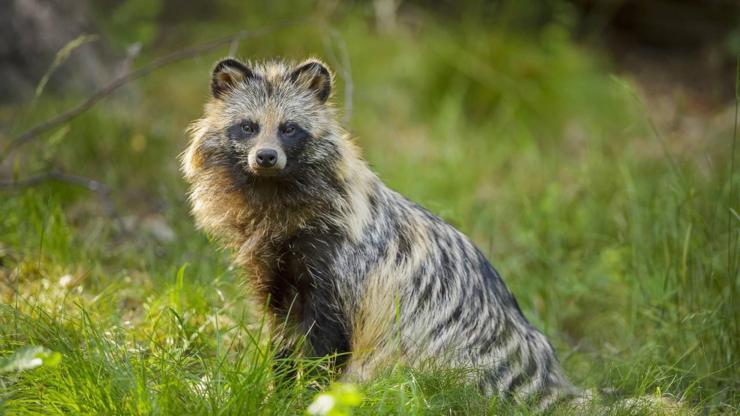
269	123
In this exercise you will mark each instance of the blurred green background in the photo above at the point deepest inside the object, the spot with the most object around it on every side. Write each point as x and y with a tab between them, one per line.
586	147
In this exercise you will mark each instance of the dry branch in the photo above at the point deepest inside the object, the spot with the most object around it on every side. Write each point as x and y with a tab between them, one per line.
99	188
344	67
106	90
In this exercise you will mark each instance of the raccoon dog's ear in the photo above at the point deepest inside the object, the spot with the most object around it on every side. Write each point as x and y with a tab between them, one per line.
315	76
227	74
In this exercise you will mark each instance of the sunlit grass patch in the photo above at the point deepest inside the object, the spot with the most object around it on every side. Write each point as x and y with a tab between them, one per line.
615	244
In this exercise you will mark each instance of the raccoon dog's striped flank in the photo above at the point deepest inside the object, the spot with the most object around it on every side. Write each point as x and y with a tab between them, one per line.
346	262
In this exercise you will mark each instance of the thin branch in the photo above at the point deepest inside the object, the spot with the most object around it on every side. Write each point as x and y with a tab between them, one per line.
59	59
344	67
89	184
233	47
106	90
99	188
349	86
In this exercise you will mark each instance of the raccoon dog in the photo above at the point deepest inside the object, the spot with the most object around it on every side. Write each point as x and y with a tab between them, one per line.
347	263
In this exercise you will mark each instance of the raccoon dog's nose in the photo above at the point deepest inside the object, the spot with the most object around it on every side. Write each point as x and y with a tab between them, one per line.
267	158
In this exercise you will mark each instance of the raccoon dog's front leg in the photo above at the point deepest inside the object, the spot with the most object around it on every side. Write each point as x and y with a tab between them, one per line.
305	299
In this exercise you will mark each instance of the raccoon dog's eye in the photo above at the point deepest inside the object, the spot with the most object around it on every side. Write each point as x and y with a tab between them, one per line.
249	127
288	129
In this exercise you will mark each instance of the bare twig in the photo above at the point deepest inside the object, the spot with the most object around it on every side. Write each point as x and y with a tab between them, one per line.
345	68
61	56
106	90
91	185
233	47
349	86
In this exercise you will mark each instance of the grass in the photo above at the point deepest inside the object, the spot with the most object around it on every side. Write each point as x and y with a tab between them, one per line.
615	239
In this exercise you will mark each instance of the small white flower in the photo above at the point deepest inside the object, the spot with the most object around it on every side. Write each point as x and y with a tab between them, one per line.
35	362
65	280
321	405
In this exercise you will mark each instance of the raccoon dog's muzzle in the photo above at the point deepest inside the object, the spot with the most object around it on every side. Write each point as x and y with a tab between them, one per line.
267	160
